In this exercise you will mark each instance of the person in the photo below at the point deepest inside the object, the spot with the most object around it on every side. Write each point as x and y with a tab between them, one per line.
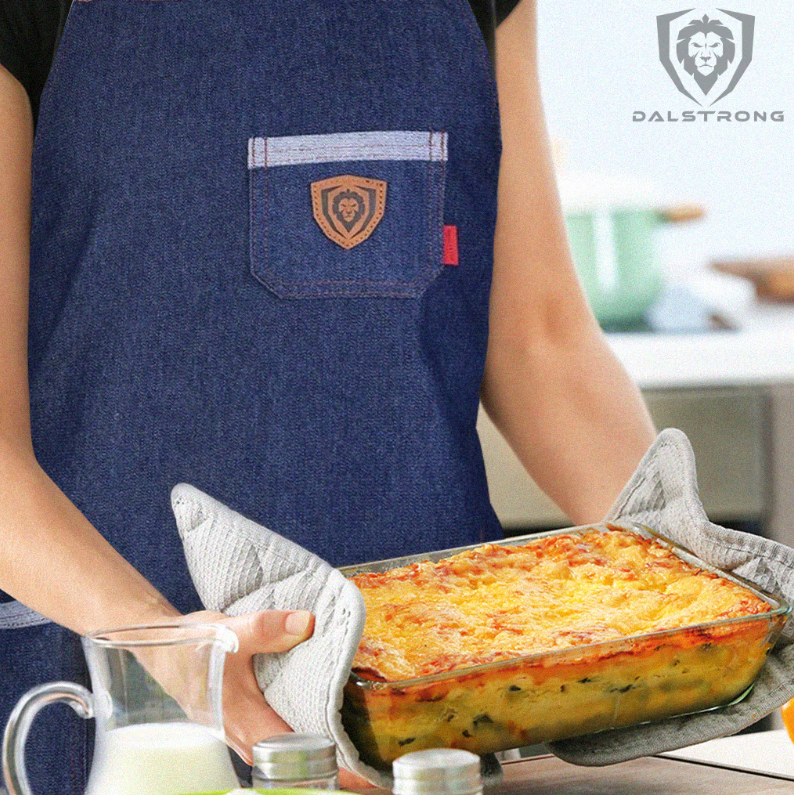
181	301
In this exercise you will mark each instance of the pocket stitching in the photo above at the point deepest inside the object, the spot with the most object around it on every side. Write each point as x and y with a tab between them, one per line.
304	289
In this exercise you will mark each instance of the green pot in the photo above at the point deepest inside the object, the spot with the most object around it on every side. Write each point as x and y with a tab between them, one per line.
613	250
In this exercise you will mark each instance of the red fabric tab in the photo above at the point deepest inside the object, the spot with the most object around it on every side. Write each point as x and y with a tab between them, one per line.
451	245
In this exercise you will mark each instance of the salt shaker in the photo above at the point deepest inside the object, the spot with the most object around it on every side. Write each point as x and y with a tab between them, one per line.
292	761
439	771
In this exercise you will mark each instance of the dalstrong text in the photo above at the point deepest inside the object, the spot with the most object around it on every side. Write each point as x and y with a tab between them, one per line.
709	115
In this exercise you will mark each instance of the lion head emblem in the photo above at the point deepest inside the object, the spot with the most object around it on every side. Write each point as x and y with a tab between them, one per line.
705	49
348	206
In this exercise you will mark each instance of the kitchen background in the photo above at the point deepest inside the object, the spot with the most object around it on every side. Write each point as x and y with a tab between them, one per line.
600	63
732	390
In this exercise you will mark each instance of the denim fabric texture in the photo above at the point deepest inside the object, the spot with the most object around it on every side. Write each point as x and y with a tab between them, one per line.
346	423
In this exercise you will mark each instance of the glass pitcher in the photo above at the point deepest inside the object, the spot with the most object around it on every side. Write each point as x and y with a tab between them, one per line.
158	709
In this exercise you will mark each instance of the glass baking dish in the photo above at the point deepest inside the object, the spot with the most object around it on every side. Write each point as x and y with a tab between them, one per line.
562	693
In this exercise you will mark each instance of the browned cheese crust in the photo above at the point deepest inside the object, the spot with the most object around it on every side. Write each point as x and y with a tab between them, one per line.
503	602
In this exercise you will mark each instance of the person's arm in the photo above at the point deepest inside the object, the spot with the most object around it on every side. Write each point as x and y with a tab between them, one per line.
552	386
51	558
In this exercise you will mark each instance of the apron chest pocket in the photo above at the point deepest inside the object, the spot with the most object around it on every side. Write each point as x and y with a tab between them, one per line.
356	214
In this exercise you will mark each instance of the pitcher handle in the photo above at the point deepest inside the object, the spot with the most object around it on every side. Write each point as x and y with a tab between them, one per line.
21	719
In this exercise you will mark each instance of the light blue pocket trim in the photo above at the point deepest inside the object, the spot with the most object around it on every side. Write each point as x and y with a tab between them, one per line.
294	150
14	615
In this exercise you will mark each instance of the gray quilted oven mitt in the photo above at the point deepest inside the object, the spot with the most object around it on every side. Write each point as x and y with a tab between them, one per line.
663	495
240	567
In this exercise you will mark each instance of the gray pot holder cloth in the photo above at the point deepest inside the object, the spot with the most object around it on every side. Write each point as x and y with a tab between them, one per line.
240	567
663	495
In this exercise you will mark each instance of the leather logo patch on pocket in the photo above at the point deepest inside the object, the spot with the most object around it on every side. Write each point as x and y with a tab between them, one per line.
348	208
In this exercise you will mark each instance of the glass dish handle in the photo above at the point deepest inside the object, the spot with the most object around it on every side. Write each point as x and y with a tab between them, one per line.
21	719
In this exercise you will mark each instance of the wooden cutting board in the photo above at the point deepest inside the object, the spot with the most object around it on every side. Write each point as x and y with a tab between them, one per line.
547	775
773	277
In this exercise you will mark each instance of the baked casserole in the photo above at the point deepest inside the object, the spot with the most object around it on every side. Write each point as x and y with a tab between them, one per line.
511	644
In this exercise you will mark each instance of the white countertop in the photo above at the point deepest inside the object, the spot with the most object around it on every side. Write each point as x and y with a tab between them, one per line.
760	353
763	752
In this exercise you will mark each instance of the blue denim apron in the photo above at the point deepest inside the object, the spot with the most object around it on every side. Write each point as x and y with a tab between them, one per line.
238	280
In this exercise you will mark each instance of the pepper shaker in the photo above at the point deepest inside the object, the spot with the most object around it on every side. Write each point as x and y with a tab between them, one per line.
439	771
292	761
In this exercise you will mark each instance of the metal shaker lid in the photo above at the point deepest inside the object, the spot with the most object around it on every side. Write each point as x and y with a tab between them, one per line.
295	757
439	771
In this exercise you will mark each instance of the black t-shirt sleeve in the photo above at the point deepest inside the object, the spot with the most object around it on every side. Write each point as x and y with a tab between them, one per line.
14	39
503	8
29	34
489	13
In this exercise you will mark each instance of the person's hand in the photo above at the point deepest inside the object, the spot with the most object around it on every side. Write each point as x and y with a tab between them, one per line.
248	718
663	495
350	781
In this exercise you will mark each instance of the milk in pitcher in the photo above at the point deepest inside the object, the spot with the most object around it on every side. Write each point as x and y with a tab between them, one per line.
161	759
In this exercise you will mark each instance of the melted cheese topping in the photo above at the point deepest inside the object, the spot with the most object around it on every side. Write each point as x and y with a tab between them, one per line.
501	602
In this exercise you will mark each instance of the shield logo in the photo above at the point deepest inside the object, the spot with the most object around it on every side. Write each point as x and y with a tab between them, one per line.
348	208
705	52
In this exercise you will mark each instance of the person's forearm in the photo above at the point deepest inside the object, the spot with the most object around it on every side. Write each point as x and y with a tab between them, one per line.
51	558
55	562
552	386
574	419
